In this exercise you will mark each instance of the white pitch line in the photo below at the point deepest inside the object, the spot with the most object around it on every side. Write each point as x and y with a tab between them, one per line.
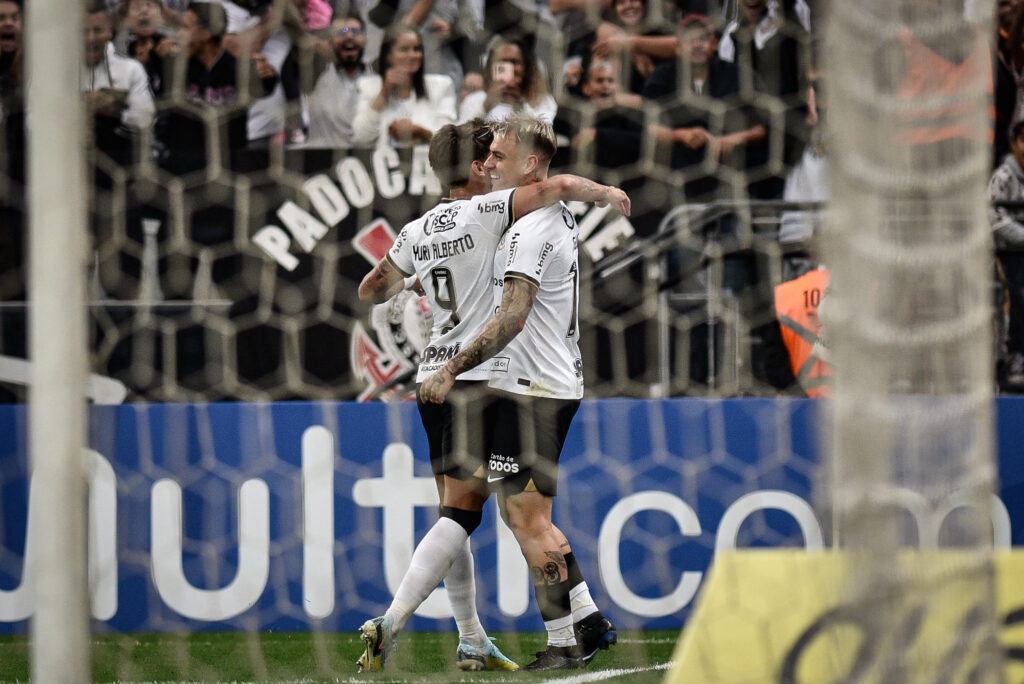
601	675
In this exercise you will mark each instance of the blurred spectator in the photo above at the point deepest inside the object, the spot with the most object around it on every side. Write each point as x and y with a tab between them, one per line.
807	181
116	89
512	82
607	127
764	37
211	81
148	39
13	341
1008	66
402	106
257	27
335	96
768	40
708	83
1007	183
471	83
316	19
628	37
576	21
10	46
452	33
12	103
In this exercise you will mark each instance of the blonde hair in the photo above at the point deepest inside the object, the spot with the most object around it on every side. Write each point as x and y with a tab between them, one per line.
529	130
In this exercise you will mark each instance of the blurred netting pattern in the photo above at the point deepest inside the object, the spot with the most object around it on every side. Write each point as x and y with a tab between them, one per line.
187	303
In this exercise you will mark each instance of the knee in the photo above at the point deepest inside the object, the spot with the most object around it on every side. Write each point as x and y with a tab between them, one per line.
468	520
525	523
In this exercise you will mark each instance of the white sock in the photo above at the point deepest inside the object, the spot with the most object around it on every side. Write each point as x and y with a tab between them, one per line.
430	562
581	603
461	585
560	631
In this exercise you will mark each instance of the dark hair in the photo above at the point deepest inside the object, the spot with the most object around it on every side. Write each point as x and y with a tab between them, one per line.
211	16
698	19
95	7
453	149
382	64
533	85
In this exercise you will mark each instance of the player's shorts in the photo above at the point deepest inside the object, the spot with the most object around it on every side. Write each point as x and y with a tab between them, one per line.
527	439
457	433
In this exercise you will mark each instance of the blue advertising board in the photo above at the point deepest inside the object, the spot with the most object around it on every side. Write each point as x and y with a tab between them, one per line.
304	515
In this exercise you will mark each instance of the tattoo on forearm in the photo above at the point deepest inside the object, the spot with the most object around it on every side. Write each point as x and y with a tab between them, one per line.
516	302
591	188
382	271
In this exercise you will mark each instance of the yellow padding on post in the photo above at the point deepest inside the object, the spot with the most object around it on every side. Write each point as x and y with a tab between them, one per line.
779	616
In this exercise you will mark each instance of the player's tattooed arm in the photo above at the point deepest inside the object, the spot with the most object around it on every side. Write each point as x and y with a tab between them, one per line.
566	188
517	299
381	284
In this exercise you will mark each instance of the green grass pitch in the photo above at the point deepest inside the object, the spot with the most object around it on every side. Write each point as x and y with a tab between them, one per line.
309	657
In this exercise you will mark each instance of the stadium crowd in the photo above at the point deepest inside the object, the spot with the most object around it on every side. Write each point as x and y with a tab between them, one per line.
691	102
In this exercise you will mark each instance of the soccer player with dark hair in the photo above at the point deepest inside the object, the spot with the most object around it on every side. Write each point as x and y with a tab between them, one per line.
450	250
539	385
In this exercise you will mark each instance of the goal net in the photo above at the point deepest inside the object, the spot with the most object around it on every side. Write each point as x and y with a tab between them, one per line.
909	325
257	474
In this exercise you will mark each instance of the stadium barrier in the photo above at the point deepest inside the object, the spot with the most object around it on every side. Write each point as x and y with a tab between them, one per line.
301	515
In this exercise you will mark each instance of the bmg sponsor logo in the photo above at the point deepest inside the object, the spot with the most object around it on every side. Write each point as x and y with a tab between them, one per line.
544	254
490	207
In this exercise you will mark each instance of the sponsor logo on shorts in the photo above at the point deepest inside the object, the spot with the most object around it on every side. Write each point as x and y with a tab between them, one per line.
499	463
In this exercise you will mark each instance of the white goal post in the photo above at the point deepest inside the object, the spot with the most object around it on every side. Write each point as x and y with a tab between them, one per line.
57	338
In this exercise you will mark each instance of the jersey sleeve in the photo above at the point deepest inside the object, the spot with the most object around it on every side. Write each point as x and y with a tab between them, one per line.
531	248
494	210
400	254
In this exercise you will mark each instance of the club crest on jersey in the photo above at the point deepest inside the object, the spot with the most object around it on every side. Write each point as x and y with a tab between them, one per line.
570	222
442	221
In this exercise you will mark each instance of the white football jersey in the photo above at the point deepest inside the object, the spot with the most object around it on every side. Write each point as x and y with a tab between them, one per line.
451	250
544	358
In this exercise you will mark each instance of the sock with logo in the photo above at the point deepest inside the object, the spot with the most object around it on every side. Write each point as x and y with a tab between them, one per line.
579	596
461	585
430	562
553	601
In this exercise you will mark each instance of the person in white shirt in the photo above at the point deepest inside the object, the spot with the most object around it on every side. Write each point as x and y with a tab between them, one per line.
402	106
537	377
334	99
269	34
513	82
116	88
450	250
